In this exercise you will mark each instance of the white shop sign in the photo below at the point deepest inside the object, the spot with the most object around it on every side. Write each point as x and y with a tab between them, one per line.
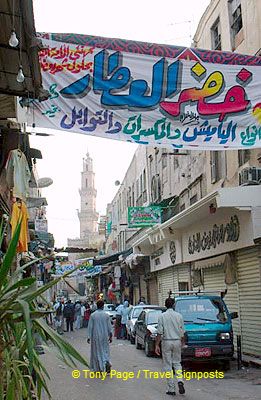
220	233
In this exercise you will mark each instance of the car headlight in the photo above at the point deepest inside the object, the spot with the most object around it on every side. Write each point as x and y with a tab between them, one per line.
224	335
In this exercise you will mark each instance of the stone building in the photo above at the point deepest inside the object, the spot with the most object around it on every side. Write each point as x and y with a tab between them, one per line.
210	234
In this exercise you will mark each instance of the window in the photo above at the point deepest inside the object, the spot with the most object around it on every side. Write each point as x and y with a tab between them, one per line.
236	22
243	157
86	182
144	180
215	167
216	35
193	199
183	286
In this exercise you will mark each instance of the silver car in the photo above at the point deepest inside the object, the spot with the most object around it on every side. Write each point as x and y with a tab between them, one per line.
110	310
133	316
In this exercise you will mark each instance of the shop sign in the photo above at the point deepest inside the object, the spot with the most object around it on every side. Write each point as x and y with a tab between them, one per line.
86	267
202	241
139	217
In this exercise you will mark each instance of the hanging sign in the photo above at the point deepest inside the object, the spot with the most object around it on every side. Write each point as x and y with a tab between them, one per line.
139	217
150	94
86	267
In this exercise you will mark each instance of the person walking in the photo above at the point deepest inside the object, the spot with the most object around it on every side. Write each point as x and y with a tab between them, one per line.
93	306
87	314
58	308
99	334
124	312
68	314
170	333
78	314
117	325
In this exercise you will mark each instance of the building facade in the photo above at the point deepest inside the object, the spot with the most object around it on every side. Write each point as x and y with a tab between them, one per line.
209	236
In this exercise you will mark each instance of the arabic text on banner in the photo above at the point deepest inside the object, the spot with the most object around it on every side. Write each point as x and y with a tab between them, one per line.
148	99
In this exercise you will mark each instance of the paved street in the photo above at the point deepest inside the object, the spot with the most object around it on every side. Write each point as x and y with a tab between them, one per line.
236	385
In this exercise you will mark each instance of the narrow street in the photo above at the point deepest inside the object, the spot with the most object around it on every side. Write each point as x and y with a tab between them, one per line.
235	385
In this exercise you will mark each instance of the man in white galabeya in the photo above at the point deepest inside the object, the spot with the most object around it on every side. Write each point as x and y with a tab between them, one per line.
171	335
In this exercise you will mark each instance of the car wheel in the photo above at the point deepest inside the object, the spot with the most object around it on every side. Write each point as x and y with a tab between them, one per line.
147	348
138	345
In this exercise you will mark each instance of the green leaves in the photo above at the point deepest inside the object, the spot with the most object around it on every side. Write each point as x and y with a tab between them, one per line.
20	321
10	254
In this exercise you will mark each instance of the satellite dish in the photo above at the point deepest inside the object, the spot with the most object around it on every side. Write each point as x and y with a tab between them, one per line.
44	182
117	183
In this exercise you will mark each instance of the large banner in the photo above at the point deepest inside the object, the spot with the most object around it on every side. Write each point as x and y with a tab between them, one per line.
150	94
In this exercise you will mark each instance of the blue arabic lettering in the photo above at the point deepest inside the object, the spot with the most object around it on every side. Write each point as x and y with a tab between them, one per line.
209	131
120	79
81	117
110	78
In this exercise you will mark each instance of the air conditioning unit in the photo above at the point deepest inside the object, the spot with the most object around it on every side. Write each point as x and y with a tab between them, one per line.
250	176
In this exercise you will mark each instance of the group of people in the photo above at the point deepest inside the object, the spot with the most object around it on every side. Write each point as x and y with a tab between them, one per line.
70	315
169	340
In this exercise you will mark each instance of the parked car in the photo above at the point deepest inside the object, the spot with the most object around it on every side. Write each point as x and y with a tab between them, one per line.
134	313
146	329
110	309
208	328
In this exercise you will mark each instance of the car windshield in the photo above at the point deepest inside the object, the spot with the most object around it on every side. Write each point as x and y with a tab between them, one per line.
109	307
201	310
153	317
136	312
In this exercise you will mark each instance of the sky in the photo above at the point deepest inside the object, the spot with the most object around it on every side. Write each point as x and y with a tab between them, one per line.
174	22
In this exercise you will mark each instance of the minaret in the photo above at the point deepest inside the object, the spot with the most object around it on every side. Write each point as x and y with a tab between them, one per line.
87	215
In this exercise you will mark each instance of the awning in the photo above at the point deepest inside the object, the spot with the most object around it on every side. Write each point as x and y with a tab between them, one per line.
112	257
134	260
217	261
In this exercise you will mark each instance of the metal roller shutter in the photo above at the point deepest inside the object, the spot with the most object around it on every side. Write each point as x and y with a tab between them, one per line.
183	274
249	283
214	278
165	284
153	291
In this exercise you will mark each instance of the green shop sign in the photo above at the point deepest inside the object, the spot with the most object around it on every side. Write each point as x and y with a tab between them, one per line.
139	217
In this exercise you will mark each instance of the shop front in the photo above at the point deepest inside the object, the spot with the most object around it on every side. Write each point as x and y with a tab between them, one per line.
217	248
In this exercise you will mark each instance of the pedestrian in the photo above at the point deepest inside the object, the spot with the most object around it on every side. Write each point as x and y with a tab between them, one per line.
87	315
58	308
142	301
82	314
68	314
78	314
170	332
93	306
99	334
117	326
124	311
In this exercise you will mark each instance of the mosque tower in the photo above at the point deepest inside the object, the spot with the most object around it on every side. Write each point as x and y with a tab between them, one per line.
87	214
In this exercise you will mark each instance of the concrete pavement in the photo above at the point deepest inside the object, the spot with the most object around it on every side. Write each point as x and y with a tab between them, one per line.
144	381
